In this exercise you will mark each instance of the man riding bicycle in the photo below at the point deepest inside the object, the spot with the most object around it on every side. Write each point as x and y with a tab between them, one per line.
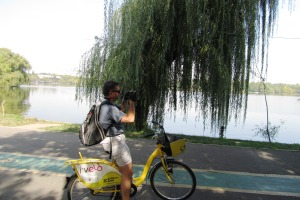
111	119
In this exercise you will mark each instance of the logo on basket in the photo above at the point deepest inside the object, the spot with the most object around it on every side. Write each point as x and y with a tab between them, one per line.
111	179
90	168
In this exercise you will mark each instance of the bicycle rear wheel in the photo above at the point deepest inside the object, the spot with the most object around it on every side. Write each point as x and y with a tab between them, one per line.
183	181
76	190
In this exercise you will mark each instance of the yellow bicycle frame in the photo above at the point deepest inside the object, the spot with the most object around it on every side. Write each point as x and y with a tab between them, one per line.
136	181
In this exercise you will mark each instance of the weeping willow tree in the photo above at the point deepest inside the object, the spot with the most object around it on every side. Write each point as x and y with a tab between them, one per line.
174	52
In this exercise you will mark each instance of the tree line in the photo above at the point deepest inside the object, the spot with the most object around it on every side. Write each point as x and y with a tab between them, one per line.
52	79
254	87
275	89
13	68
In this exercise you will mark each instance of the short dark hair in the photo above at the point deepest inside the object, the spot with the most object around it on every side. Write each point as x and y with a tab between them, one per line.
108	86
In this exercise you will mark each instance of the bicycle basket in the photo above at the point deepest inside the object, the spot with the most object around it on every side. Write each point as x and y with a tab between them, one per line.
95	173
173	145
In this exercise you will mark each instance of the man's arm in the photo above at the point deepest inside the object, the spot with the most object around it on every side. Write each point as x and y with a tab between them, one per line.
130	116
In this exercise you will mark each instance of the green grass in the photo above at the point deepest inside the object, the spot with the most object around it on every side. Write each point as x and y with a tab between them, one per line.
241	143
228	142
64	127
13	120
17	120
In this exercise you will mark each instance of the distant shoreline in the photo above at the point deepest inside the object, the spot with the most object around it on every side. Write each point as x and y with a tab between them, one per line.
278	89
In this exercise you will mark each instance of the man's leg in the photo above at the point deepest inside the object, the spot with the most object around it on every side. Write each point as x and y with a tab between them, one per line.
126	172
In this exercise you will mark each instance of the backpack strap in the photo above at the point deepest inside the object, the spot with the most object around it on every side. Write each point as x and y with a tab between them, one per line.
106	130
106	102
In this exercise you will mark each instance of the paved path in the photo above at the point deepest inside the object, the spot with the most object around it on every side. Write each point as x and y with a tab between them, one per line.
33	164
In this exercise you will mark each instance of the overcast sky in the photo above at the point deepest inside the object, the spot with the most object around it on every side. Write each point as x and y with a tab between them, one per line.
53	34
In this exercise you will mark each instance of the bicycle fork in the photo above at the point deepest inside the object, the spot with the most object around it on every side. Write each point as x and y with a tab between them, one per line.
168	170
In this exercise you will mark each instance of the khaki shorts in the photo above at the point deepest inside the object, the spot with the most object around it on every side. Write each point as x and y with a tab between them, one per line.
120	150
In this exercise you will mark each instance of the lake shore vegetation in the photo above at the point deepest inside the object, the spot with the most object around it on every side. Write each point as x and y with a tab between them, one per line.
13	68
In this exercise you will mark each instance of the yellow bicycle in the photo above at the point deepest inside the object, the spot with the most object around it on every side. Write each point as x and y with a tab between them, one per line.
100	179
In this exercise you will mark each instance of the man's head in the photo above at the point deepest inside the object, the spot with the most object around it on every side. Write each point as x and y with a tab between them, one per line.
111	90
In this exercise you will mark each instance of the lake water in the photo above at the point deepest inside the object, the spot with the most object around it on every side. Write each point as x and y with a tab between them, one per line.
58	104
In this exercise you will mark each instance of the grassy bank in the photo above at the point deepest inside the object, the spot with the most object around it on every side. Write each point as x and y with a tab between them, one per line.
13	120
228	142
17	120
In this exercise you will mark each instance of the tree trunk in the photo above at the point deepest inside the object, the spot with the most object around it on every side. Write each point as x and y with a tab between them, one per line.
141	113
265	93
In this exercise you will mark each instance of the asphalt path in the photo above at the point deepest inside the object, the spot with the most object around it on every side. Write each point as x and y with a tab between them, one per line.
31	164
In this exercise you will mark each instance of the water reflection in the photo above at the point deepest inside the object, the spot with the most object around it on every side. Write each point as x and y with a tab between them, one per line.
56	103
16	100
42	89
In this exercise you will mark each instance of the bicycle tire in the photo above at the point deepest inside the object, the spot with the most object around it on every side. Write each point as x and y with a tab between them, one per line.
76	190
184	181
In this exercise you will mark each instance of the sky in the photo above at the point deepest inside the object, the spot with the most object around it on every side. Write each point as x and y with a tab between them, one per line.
51	34
54	34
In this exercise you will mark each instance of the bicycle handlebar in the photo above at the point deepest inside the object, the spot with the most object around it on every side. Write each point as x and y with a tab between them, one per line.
156	134
159	125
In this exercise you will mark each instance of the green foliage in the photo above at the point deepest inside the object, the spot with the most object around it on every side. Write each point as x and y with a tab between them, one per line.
172	52
13	68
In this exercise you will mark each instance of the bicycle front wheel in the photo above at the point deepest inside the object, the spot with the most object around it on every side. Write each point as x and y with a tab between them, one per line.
178	182
76	190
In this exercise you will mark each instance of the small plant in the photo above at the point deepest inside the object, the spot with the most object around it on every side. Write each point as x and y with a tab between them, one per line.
268	132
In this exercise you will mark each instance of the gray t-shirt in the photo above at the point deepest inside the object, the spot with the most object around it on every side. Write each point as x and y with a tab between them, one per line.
111	115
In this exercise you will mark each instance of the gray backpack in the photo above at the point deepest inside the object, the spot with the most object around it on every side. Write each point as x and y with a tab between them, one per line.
91	133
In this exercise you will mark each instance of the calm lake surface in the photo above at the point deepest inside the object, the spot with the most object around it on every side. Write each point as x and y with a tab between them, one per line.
57	103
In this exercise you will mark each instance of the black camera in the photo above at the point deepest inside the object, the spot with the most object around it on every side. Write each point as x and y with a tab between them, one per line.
131	95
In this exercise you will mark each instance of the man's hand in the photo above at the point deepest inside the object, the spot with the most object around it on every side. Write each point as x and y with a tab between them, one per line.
130	116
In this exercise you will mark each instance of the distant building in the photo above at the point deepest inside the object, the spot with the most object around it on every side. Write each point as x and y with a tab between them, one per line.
41	76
